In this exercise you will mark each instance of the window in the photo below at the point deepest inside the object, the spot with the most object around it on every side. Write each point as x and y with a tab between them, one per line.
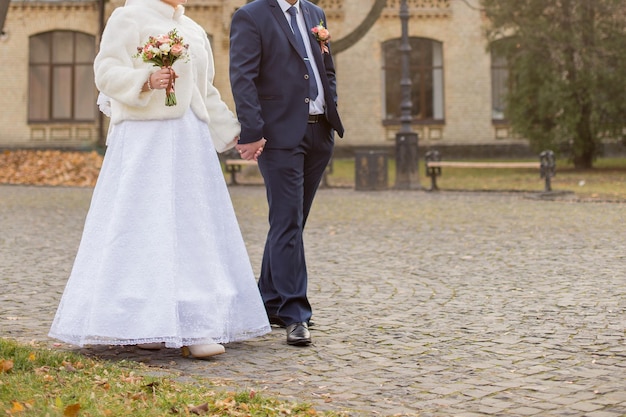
61	86
499	84
426	73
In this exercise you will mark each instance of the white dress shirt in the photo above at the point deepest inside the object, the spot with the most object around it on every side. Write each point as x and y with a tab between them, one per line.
315	106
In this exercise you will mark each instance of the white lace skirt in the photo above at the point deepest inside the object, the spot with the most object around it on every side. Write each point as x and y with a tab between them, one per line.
161	258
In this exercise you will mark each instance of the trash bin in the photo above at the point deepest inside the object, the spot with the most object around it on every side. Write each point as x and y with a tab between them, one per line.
370	170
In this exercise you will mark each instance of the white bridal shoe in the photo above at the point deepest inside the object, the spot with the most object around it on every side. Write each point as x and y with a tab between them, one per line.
203	351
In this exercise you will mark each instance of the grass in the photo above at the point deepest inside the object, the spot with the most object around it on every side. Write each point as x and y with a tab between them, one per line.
606	181
38	382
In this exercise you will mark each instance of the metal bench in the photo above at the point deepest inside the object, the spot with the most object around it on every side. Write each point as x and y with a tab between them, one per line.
546	166
233	164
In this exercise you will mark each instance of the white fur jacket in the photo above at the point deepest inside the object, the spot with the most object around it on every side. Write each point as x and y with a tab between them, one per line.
121	77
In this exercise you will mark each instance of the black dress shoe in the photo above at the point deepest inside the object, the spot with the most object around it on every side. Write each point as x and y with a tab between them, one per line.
298	334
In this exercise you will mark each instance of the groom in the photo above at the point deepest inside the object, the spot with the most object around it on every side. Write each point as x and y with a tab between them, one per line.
283	82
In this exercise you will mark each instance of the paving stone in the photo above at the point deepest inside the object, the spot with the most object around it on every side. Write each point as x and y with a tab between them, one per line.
586	406
527	411
425	304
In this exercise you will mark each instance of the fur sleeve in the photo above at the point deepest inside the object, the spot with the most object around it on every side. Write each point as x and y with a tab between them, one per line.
117	74
223	124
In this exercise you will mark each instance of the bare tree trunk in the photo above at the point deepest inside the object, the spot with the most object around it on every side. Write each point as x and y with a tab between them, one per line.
360	31
357	34
4	9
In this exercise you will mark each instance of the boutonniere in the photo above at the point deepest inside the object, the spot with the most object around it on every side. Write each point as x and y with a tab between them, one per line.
322	35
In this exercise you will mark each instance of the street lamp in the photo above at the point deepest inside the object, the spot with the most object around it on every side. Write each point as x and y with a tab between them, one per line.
407	173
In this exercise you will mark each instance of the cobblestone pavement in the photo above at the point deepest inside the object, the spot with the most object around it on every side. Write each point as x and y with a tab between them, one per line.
429	304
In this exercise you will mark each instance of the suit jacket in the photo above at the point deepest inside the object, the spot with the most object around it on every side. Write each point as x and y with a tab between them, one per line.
268	74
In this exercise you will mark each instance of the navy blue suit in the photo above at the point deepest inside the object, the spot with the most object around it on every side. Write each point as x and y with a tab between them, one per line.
270	88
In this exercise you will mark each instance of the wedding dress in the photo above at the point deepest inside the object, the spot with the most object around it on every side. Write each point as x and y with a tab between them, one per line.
161	258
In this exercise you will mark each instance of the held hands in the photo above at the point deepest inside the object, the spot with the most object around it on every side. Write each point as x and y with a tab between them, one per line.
251	151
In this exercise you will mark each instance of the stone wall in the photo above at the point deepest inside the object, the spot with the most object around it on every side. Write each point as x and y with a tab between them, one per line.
26	18
458	26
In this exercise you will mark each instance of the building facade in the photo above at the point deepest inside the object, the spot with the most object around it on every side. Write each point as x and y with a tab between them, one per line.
48	96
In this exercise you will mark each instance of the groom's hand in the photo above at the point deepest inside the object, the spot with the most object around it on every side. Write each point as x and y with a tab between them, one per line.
251	151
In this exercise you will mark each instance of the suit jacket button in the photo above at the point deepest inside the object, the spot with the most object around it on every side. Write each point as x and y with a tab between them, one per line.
306	76
306	100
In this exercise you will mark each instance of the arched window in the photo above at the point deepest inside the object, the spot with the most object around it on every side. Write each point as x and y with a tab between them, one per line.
499	83
61	86
426	72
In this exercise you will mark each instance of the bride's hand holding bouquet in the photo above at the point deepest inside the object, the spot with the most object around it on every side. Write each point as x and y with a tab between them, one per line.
162	51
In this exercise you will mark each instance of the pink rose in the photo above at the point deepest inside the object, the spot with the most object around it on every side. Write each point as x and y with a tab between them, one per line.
163	39
177	49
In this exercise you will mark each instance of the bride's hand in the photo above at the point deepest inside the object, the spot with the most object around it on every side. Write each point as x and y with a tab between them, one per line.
251	151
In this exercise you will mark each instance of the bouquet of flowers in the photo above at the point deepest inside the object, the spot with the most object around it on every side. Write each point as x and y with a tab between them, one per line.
163	50
322	35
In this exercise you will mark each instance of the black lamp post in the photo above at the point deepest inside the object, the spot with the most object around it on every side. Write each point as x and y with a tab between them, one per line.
407	173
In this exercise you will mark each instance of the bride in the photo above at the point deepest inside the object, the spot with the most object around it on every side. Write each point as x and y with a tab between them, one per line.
161	261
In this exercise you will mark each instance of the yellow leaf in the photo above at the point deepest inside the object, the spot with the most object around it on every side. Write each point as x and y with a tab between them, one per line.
71	410
17	407
58	402
31	357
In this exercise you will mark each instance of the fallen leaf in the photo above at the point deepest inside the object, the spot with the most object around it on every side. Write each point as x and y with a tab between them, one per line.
131	379
69	367
200	409
6	365
49	167
17	407
138	396
71	410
